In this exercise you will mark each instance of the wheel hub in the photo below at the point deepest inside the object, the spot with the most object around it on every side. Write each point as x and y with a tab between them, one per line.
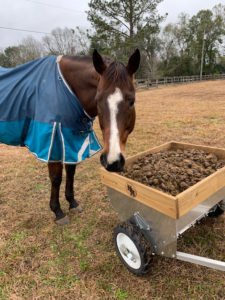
128	251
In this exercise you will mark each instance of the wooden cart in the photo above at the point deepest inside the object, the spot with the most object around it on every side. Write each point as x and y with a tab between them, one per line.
152	220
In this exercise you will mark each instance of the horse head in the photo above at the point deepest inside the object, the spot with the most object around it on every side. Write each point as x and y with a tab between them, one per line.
115	100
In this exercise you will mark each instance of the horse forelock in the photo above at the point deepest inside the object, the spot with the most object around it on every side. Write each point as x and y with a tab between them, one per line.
116	73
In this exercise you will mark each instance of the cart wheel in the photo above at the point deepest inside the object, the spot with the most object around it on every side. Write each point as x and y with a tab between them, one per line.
217	210
133	250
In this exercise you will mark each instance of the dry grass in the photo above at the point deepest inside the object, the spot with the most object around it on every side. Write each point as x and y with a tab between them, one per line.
39	260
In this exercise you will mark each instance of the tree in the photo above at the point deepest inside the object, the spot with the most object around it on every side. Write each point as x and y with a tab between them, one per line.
10	57
66	42
61	41
175	52
186	41
120	26
219	10
28	49
210	28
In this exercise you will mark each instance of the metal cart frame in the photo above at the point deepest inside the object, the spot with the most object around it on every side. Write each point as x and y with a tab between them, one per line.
161	226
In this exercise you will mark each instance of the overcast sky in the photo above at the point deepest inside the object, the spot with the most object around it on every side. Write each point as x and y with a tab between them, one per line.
35	16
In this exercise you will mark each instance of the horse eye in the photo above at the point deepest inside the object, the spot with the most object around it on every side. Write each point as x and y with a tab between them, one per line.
131	102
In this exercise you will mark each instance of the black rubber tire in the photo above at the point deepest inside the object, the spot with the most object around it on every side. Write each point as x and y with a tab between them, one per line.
140	242
216	213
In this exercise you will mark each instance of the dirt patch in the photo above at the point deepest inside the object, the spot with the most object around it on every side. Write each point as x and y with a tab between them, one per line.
173	171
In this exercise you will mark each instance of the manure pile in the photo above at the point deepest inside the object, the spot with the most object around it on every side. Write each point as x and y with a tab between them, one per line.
173	171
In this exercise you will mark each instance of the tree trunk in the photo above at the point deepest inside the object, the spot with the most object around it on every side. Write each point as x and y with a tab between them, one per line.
131	33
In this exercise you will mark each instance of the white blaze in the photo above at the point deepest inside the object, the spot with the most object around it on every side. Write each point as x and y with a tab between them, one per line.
114	141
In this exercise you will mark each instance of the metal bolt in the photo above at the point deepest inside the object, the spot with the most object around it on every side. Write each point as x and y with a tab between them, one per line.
129	255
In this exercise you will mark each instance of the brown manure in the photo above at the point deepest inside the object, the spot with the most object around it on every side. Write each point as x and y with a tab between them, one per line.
173	171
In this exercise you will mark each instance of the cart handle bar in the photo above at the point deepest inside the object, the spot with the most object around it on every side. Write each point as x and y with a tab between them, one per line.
203	261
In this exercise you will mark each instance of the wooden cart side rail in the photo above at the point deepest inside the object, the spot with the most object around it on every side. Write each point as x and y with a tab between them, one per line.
153	198
200	191
220	152
162	147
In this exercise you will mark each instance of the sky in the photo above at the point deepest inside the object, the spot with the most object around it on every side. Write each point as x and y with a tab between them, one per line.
45	15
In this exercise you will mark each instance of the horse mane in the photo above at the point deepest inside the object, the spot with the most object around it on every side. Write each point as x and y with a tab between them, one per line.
115	72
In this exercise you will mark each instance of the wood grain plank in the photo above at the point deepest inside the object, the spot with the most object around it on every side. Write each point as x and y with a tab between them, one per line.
200	191
151	197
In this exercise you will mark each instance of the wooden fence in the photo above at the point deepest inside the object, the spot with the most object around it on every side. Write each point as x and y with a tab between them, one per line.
148	83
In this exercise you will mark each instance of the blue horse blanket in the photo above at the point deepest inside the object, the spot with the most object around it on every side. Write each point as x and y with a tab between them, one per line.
39	110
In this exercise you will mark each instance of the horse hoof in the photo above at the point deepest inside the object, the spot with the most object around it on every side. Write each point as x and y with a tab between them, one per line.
76	210
63	221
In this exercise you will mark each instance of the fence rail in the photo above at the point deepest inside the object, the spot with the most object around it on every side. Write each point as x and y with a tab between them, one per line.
148	83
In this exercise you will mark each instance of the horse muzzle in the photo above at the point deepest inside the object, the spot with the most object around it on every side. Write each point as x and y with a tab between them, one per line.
116	166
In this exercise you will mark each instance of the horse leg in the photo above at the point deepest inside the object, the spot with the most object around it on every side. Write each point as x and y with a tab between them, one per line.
55	174
69	192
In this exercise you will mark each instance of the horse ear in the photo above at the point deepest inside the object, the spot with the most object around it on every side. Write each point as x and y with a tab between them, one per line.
98	62
134	62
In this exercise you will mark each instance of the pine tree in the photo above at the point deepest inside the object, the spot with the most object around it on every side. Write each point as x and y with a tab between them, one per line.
120	26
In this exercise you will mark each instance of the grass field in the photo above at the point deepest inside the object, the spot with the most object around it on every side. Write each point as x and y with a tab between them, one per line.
39	260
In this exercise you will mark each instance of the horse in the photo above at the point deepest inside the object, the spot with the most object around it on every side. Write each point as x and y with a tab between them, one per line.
99	86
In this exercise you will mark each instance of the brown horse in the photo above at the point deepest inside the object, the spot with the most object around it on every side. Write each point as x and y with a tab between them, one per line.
104	88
